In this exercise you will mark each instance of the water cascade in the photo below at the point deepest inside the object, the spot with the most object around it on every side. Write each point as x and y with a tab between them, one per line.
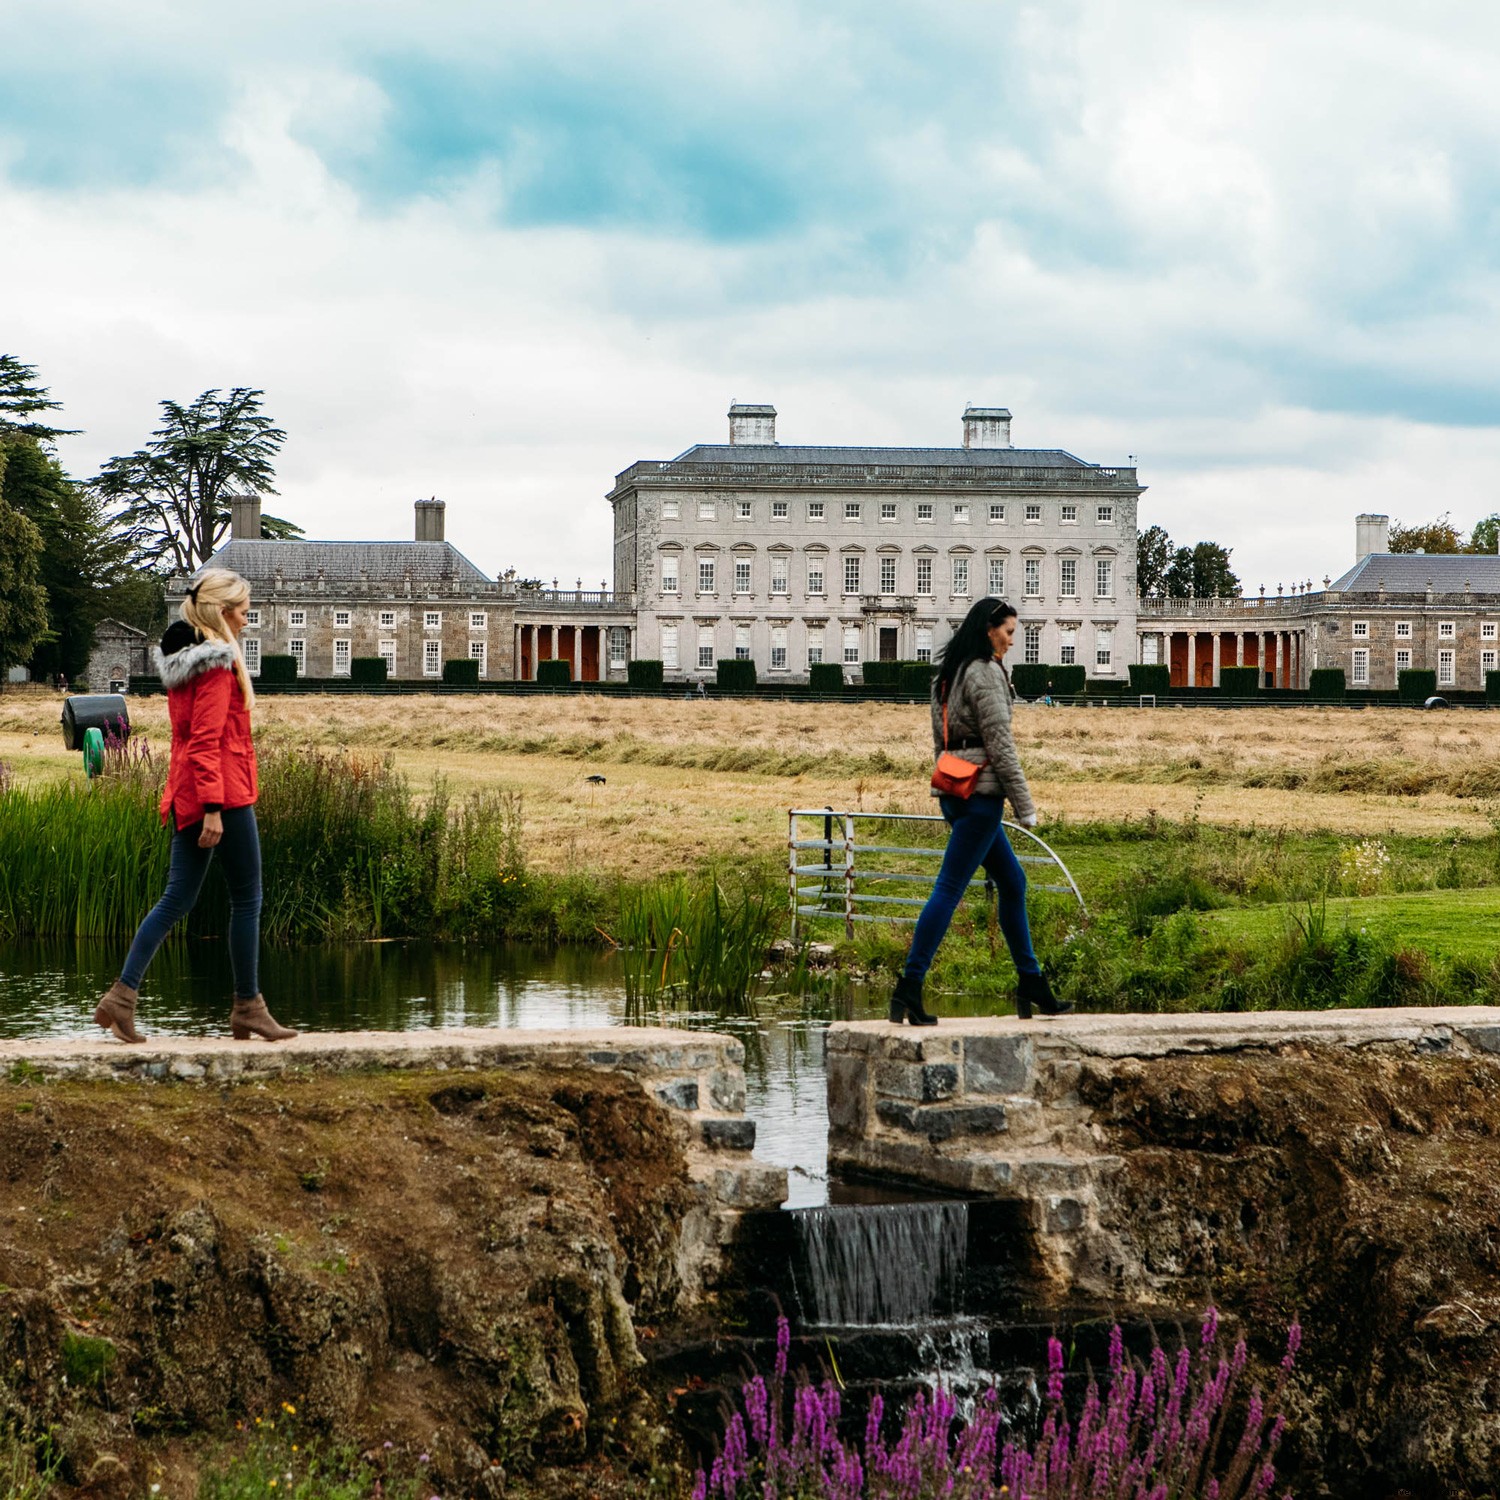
874	1265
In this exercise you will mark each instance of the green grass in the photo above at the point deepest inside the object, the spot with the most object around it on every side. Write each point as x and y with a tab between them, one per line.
276	1464
1446	924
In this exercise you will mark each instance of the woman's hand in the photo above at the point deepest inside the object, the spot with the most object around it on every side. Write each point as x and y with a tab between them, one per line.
213	830
1030	820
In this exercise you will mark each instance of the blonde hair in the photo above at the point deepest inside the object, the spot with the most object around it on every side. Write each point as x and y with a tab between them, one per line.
213	591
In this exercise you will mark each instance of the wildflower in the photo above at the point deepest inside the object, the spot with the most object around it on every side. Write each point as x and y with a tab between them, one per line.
1210	1326
424	1458
1054	1370
288	1408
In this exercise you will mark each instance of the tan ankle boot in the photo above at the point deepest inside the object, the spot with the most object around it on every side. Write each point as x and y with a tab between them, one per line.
116	1012
251	1016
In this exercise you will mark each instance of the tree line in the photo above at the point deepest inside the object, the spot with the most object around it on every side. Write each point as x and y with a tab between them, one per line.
76	552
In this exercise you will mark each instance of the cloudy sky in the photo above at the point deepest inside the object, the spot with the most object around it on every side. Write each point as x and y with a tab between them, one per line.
498	251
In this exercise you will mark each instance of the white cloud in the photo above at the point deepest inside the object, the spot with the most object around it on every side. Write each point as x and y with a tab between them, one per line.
1227	238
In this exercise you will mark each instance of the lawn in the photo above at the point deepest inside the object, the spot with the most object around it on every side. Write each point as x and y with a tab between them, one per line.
1447	924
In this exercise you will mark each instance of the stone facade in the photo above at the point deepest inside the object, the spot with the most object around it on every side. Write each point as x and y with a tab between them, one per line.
120	653
791	555
418	604
1389	612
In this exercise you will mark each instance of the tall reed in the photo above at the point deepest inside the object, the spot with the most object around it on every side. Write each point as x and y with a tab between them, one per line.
696	942
348	852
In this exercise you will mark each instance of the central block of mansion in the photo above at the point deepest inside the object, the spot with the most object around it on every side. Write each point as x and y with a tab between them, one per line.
789	555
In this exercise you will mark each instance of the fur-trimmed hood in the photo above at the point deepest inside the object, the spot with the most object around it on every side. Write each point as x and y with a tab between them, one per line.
185	654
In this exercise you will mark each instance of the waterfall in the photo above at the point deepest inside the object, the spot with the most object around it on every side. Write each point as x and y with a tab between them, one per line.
880	1264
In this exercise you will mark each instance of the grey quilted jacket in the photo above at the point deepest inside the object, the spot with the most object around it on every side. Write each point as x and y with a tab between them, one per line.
979	709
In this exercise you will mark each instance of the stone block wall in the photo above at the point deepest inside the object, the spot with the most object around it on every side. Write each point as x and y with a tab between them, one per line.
1051	1113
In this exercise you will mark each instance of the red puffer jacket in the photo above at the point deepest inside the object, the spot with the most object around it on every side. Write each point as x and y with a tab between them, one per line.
213	757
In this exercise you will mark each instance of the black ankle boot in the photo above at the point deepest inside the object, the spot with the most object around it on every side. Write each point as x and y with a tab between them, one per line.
1034	990
906	1004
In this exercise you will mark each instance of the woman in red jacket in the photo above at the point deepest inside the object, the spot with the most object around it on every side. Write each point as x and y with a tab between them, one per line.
210	797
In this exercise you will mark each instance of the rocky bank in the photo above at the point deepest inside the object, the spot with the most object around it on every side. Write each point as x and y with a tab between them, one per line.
444	1257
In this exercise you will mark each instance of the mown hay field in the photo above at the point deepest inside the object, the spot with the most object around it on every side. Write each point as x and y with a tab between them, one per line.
689	780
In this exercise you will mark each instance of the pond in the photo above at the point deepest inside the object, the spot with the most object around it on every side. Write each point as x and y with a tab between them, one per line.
50	989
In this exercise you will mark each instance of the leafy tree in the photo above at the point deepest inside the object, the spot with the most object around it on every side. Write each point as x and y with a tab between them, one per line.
1213	578
84	567
1153	557
1439	536
173	495
22	399
1486	536
1202	572
23	600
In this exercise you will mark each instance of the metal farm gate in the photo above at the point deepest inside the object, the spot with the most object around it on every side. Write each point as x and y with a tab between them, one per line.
843	869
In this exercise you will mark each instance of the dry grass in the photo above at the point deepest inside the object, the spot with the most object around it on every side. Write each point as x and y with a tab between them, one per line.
687	779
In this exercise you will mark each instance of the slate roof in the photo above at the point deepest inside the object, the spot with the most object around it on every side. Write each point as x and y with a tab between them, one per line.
1408	572
974	458
383	562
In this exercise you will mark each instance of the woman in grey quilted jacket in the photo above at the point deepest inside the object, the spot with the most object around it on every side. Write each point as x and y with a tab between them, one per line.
973	683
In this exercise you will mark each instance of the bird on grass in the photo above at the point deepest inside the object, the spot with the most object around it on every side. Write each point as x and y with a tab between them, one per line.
594	780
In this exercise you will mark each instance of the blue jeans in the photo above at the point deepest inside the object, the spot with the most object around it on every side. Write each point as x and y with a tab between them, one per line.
240	852
976	839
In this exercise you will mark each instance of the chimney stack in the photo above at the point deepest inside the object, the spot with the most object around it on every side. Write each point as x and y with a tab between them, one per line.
244	518
986	427
430	520
1371	534
752	424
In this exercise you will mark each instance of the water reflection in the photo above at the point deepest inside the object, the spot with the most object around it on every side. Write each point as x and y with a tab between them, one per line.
49	989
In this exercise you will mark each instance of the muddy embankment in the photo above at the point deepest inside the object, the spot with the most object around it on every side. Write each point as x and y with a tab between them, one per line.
420	1262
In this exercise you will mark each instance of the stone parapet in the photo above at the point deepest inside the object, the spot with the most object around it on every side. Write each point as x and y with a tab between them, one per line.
997	1107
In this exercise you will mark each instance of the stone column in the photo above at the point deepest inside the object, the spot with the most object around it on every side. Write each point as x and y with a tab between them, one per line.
1192	662
1218	657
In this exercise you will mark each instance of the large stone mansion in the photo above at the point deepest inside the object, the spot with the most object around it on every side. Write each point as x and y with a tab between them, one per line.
790	555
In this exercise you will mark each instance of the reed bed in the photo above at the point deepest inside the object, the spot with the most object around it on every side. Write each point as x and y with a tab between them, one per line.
351	851
696	942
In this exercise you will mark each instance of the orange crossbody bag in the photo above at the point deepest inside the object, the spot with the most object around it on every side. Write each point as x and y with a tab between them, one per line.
954	776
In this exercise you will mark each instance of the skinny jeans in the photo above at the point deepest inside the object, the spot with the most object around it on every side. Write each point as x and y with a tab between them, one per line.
976	839
240	853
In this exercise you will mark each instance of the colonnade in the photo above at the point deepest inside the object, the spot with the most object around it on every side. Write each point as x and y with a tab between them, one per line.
1196	657
584	647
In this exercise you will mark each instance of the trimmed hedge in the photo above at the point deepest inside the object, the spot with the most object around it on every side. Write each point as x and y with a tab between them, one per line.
1239	682
1030	678
825	677
1327	685
736	676
368	669
644	674
881	674
1416	684
278	669
1151	677
1104	687
554	671
461	671
916	679
1069	679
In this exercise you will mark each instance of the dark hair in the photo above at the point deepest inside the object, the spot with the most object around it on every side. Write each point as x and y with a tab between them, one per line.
971	641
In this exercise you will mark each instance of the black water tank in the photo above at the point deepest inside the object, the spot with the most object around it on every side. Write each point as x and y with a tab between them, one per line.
105	712
1436	702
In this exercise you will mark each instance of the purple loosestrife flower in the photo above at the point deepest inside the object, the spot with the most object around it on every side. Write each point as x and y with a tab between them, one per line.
736	1455
783	1346
1293	1344
756	1408
700	1486
1054	1370
1255	1416
1210	1327
1116	1350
